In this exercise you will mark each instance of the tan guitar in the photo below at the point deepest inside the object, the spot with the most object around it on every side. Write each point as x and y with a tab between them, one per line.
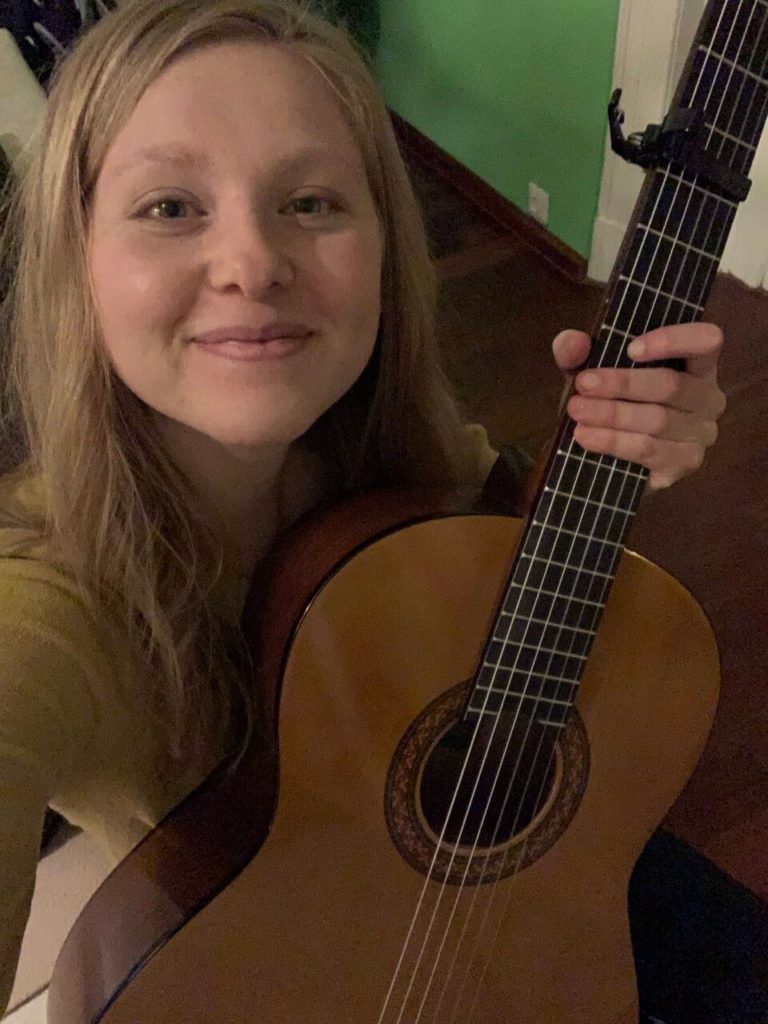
478	721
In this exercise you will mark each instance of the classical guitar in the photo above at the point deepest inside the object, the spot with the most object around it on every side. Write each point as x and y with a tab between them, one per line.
478	721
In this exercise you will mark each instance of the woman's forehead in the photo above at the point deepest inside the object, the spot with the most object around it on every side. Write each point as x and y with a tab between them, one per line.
242	95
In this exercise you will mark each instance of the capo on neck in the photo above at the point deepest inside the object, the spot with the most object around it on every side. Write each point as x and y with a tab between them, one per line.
678	139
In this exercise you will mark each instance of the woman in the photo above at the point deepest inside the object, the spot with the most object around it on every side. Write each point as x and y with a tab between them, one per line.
210	171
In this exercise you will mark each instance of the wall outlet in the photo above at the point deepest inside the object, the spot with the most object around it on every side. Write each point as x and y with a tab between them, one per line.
538	203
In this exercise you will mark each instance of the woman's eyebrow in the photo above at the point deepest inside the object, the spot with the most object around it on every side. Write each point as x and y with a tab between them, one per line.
182	156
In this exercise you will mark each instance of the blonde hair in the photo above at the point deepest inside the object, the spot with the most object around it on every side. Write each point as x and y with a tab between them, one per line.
121	516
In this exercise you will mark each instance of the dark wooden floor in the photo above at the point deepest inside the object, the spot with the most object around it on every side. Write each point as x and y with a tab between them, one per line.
501	306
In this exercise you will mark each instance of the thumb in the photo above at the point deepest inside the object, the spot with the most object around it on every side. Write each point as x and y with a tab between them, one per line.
571	349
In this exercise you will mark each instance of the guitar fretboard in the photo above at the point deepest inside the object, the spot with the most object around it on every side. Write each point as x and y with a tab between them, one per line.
575	533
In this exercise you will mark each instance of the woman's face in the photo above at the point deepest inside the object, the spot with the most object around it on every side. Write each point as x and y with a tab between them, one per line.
274	220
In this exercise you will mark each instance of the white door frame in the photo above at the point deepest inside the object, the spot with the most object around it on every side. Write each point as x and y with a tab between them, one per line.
646	44
652	41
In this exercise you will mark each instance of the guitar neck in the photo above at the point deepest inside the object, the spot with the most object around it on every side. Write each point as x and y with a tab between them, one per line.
576	530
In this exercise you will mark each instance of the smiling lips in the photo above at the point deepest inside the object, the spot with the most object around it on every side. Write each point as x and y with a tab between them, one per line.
244	333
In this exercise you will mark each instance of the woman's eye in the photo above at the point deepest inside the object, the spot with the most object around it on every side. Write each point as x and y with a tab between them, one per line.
314	200
158	203
304	206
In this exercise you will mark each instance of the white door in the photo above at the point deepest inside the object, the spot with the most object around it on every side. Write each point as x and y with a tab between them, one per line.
654	38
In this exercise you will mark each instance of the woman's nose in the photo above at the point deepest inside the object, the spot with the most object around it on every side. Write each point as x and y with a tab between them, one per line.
251	254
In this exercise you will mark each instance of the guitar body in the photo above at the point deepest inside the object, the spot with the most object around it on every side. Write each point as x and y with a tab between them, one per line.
311	931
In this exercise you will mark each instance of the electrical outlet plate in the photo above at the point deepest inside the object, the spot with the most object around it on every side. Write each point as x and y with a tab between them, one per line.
538	203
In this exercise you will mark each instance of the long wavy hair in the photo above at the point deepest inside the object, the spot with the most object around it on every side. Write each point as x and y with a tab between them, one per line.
121	518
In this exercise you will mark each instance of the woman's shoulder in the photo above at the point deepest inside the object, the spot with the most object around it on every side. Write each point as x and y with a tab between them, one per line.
29	579
54	663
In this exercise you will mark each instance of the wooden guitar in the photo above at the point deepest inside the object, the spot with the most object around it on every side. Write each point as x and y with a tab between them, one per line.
478	721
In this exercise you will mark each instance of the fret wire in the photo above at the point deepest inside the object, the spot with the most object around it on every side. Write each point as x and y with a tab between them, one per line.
530	676
686	260
503	675
586	501
625	307
733	65
486	712
532	647
616	331
572	601
518	591
527	696
739	116
558	525
672	203
677	243
565	597
725	220
743	156
573	455
575	533
736	154
748	157
700	188
564	565
690	272
573	475
559	618
555	693
543	622
728	89
709	276
760	41
664	295
716	213
562	629
720	45
746	26
729	137
515	655
664	316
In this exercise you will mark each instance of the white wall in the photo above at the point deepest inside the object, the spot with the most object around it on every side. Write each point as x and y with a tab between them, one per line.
653	41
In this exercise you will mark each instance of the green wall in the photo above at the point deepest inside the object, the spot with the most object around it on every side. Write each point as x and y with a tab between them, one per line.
516	90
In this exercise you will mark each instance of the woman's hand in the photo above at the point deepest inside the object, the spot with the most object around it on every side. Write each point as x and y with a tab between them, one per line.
660	418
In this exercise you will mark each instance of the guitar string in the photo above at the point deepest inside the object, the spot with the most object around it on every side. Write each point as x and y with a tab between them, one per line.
570	652
420	901
723	227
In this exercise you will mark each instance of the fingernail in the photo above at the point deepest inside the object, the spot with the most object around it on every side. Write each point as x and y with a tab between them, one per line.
588	381
636	350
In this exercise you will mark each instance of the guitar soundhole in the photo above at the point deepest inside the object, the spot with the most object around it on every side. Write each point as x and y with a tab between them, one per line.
488	780
548	767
